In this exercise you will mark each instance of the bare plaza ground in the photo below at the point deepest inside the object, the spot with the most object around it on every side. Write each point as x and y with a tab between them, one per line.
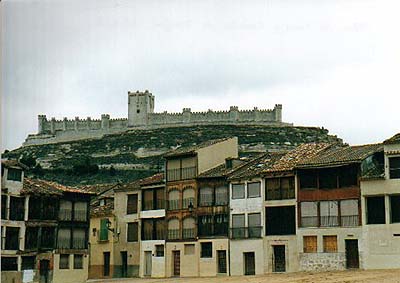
369	276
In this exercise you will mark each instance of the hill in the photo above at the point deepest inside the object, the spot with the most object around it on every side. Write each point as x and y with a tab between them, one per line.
135	154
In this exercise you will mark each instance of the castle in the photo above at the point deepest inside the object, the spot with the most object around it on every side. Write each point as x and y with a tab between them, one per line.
141	116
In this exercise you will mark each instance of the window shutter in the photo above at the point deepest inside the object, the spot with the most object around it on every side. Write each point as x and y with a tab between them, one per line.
103	230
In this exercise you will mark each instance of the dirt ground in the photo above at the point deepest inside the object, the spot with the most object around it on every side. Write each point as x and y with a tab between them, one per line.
369	276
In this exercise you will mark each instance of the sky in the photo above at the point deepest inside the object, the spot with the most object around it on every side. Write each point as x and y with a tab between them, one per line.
332	64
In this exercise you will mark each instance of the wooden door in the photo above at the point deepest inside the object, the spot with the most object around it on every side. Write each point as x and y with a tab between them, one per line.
279	258
148	258
177	262
249	264
106	263
44	271
124	267
352	256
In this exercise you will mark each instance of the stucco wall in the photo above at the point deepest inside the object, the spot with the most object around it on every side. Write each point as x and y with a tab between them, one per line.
238	247
291	252
70	275
157	263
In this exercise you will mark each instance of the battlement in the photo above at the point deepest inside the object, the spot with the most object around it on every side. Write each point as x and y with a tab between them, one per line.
141	115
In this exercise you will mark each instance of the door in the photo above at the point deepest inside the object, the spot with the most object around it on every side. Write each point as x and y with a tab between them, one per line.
147	266
279	260
124	266
44	270
106	263
352	257
221	261
249	263
177	262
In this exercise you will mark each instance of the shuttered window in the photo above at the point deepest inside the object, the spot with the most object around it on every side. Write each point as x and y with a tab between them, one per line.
132	204
310	244
330	244
103	230
132	232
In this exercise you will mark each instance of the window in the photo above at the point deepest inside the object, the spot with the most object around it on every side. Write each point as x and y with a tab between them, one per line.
148	229
79	239
189	249
280	220
348	176
132	232
394	209
253	190
65	212
329	213
308	179
148	200
28	262
309	214
189	225
238	191
9	264
221	196
206	250
310	244
14	174
132	204
78	261
64	238
80	211
279	188
330	244
3	206
159	250
64	261
103	234
31	238
160	199
328	178
173	229
221	225
188	197
47	240
394	167
206	196
349	213
375	210
254	225
12	238
160	229
238	226
173	200
17	208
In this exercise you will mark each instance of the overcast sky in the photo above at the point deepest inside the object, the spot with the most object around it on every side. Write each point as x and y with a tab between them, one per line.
332	64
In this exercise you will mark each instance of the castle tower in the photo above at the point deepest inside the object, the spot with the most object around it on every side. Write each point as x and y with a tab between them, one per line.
140	104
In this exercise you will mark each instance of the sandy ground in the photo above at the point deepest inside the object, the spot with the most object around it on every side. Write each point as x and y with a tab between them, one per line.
369	276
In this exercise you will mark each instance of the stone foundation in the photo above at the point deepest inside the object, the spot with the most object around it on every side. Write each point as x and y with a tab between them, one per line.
322	261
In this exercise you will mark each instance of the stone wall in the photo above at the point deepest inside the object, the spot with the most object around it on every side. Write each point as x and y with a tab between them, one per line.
322	261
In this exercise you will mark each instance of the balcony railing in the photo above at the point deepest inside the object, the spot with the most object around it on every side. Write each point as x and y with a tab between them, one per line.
64	243
78	243
65	214
246	232
186	202
188	233
279	194
148	205
349	220
309	221
173	234
181	173
154	235
173	204
329	221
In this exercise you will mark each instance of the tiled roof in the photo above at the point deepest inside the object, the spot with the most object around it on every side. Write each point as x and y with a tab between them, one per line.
341	155
191	149
97	188
293	157
394	139
102	210
135	185
42	187
152	180
256	166
8	163
221	170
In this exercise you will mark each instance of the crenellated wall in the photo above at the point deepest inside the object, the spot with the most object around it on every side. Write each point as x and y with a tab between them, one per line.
141	116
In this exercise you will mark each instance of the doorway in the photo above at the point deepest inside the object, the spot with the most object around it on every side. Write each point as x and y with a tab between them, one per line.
44	270
176	255
279	259
352	255
124	266
106	263
147	265
221	256
249	263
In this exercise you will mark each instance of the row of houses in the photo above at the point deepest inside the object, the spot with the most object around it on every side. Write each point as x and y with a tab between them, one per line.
210	213
317	207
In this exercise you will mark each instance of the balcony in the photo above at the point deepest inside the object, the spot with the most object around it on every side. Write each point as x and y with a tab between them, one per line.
188	233
80	214
246	232
65	214
186	202
309	221
349	220
209	229
173	204
78	243
173	234
329	221
64	242
280	194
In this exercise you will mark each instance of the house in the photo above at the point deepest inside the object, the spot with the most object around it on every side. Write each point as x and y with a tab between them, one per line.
246	203
153	226
330	235
380	202
182	166
280	207
126	250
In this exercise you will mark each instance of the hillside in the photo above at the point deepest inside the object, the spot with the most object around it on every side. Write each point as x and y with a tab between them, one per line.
136	154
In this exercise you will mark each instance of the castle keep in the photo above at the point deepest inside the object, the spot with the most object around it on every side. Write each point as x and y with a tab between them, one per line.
141	115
